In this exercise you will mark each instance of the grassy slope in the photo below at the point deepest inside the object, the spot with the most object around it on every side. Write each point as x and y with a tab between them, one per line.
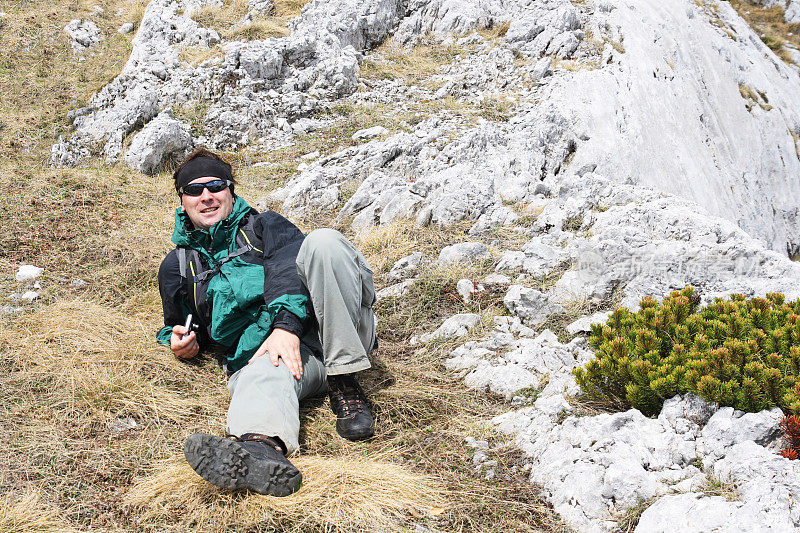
81	358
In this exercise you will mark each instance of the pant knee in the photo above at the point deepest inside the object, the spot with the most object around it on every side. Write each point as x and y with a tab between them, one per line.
326	243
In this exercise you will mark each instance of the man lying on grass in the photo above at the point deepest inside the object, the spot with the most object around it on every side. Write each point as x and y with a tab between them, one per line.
290	312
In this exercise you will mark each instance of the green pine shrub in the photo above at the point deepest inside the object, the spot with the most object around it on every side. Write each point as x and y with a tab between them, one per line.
742	352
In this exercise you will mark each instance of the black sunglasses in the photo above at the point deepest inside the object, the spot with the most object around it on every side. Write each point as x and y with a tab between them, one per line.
196	189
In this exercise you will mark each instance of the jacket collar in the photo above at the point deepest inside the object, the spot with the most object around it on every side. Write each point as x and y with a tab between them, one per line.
217	237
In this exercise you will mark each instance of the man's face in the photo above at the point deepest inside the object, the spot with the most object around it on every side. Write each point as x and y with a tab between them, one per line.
209	208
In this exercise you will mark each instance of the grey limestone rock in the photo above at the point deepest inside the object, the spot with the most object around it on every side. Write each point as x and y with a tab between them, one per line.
729	427
369	133
126	28
406	267
584	324
591	467
455	326
84	34
250	90
28	272
767	482
464	252
541	257
687	412
523	29
163	138
395	291
692	512
792	14
530	305
465	288
496	281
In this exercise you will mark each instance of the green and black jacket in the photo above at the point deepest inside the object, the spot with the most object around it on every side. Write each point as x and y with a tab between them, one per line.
242	298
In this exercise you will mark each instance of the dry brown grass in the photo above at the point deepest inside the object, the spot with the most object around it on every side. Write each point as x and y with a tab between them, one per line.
27	515
350	493
194	55
754	97
497	31
42	76
384	245
770	26
227	19
415	65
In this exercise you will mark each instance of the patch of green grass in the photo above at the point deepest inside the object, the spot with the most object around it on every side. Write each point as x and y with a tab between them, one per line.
496	109
430	300
572	223
529	393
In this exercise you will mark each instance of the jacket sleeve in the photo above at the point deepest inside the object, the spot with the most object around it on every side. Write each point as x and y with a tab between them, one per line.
173	295
285	295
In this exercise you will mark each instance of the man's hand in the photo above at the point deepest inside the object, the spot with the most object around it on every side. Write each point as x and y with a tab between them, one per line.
284	345
183	348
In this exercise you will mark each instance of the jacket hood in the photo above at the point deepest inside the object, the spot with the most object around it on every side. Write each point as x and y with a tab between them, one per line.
217	236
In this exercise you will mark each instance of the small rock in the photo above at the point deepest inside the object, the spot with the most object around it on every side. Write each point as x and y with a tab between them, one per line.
406	267
496	280
523	29
465	288
77	283
689	406
28	272
162	138
119	425
454	327
464	252
84	34
126	28
478	444
30	296
369	133
584	324
310	156
541	68
530	305
698	512
729	427
394	291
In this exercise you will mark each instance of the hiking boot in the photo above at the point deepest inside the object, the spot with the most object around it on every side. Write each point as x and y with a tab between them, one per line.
256	463
353	418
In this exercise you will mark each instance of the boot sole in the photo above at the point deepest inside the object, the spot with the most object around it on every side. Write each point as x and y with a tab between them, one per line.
226	464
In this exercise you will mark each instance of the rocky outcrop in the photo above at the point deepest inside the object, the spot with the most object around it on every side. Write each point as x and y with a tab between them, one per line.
255	87
696	106
593	468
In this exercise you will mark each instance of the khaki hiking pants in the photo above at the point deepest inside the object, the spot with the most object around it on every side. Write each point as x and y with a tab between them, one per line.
265	399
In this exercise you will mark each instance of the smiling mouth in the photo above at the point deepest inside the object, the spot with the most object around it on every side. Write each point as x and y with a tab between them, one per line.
209	210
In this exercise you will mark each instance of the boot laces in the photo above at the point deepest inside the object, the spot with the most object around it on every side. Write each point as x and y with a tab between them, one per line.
347	396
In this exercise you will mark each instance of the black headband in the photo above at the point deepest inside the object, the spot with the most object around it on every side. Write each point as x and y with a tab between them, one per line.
202	167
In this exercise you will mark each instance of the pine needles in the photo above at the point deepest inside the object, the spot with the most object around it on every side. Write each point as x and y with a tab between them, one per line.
743	353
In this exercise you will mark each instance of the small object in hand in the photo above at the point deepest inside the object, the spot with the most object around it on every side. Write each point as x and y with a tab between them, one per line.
187	326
